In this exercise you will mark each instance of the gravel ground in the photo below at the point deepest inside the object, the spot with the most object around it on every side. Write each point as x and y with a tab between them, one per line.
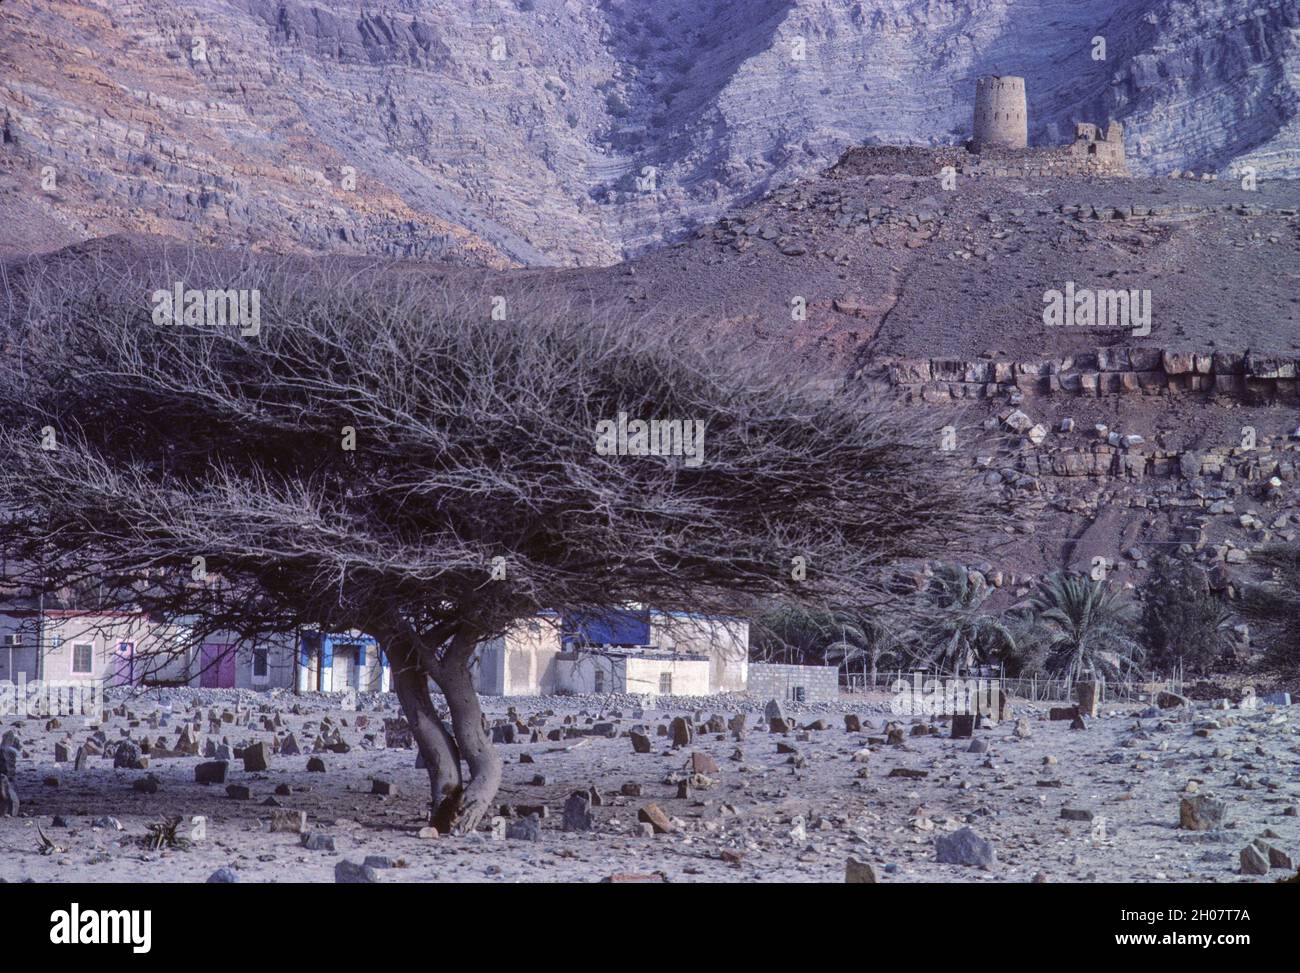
765	816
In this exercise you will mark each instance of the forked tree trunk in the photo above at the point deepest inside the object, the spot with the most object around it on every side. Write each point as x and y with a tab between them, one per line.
441	758
475	799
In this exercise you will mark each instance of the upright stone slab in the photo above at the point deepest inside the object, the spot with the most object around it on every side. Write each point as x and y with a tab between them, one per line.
577	812
213	772
1088	694
257	757
859	873
702	763
682	732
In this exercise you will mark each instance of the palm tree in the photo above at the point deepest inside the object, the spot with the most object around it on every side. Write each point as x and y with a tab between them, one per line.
827	637
955	632
1086	627
862	637
793	634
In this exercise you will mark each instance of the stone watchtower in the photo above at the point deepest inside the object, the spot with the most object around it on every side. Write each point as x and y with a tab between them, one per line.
1001	118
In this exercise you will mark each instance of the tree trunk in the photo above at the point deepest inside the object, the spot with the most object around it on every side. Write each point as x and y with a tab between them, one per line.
441	758
457	685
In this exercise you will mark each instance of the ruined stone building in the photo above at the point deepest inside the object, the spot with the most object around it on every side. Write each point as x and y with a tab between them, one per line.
1001	114
1107	148
1000	139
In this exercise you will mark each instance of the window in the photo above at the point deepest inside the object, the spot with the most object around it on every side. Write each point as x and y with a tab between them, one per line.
83	658
259	664
665	683
600	680
797	694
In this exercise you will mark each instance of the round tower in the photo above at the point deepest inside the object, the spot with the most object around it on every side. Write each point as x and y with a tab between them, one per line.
1001	118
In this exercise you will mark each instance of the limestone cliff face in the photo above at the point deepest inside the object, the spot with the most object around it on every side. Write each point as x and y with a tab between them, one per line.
575	131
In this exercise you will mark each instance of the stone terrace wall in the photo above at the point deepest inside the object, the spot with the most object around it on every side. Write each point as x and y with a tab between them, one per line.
1025	163
1244	375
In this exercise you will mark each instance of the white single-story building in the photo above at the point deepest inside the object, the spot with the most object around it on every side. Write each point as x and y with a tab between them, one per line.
337	663
127	649
635	650
646	673
109	648
523	662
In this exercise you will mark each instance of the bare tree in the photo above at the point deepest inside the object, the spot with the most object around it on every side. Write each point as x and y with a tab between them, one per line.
384	454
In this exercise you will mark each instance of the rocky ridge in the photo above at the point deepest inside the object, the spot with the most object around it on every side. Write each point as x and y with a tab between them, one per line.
570	133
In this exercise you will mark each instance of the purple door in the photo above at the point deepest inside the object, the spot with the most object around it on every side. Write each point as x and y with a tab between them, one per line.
124	665
218	666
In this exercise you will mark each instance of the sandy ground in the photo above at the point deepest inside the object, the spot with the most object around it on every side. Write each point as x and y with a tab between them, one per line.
1127	770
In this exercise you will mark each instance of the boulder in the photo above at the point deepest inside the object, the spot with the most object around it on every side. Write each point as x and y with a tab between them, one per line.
1198	812
350	873
652	815
317	841
525	829
859	873
964	847
211	772
128	756
1253	861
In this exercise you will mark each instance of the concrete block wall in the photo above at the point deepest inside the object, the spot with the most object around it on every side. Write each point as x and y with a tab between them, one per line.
821	684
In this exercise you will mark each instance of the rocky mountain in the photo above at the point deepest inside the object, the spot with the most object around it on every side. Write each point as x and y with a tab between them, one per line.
574	132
